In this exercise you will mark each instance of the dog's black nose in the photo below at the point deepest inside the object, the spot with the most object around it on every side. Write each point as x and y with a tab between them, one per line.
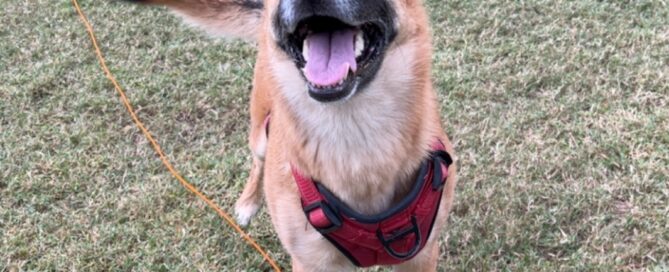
351	12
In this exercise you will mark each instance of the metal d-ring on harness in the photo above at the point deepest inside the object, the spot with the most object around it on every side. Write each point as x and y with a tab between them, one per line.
386	242
391	237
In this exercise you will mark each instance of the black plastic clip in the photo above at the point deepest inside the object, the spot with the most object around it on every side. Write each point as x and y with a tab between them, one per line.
333	217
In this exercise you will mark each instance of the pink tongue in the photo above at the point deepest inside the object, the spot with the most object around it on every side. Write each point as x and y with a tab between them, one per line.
331	55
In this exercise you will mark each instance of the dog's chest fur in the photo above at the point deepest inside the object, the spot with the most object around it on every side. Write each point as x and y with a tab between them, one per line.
366	149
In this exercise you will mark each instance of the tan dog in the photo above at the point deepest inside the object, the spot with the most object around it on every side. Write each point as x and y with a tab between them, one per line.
348	87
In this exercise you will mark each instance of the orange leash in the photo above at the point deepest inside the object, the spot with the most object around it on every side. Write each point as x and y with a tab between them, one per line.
159	150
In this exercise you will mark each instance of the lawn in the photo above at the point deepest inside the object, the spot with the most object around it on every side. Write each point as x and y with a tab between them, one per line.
558	110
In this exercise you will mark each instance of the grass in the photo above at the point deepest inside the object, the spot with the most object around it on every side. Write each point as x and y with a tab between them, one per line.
558	110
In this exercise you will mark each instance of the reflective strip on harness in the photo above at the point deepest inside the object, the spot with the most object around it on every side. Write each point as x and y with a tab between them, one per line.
389	238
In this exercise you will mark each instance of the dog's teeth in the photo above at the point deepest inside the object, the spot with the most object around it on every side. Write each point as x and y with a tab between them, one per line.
305	50
359	44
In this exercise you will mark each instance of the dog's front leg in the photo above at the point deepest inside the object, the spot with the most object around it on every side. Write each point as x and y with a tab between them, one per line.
249	202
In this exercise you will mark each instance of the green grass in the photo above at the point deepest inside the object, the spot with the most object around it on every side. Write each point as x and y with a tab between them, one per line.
558	110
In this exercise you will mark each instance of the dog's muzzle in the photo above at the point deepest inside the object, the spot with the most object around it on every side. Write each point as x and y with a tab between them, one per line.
338	45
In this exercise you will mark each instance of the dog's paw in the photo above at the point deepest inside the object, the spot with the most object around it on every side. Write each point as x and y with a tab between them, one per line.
244	213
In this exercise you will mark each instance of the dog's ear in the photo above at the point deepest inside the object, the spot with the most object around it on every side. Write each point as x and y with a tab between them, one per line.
219	18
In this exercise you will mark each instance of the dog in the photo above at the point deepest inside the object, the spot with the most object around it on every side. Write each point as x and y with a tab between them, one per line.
344	125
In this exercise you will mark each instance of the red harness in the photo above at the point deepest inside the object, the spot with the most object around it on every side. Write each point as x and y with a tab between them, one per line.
391	237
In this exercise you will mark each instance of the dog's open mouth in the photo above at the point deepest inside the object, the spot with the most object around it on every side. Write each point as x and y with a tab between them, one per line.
334	57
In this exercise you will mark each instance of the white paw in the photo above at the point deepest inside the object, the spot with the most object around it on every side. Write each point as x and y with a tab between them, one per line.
244	213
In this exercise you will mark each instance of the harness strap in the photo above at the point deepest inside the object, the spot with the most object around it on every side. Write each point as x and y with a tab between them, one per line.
312	201
390	238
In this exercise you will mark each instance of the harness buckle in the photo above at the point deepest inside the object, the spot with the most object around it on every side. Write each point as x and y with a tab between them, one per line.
399	235
334	221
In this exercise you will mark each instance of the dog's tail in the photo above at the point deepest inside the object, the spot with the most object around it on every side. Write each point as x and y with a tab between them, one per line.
219	18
